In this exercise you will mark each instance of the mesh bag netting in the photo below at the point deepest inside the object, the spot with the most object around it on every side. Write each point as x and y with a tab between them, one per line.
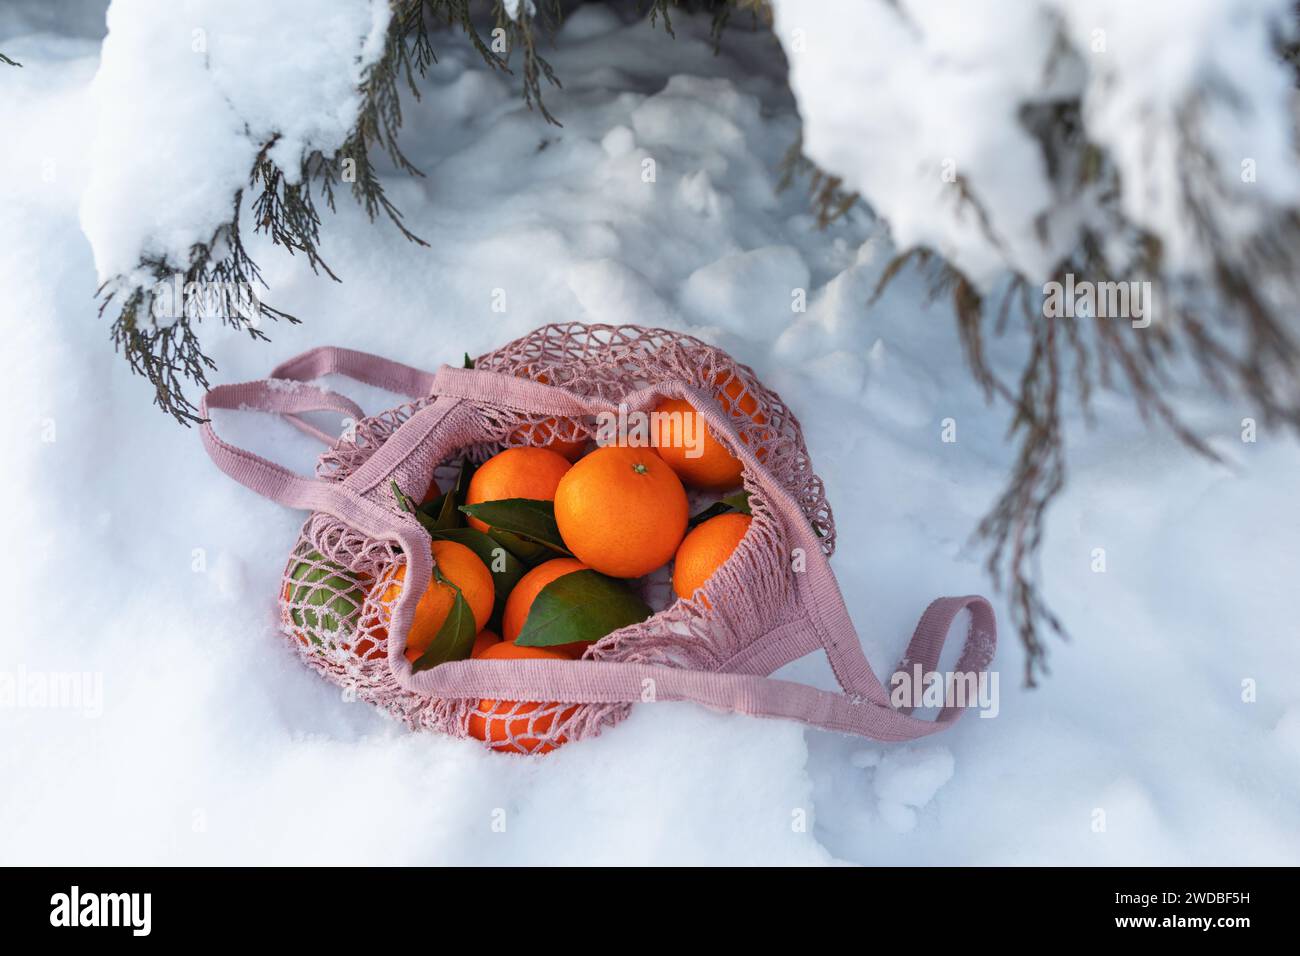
338	622
753	615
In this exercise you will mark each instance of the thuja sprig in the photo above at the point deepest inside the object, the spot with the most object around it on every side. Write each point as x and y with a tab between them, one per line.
1221	320
287	208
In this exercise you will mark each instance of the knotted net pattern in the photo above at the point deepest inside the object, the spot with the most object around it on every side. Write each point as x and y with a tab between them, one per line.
336	611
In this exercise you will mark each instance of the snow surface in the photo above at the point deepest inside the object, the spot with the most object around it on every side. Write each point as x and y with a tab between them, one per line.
944	83
132	558
204	85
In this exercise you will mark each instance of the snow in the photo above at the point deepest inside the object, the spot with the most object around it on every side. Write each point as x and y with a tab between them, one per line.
1167	733
945	83
205	85
750	292
906	779
514	8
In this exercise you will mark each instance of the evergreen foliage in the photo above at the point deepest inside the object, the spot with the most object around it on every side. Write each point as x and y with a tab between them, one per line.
1234	323
1228	322
171	356
288	209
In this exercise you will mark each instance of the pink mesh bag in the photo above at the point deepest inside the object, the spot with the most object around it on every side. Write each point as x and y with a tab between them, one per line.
773	601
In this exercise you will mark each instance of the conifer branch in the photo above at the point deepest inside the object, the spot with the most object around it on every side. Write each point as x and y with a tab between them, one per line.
169	353
1222	321
719	11
286	208
826	195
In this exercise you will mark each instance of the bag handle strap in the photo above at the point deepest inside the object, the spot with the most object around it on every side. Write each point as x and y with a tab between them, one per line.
360	366
862	708
281	397
608	682
286	393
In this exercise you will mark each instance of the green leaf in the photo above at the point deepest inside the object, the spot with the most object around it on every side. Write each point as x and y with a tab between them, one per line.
432	515
428	521
448	513
455	638
492	553
467	470
529	552
528	517
738	501
582	606
732	504
469	362
443	512
404	501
